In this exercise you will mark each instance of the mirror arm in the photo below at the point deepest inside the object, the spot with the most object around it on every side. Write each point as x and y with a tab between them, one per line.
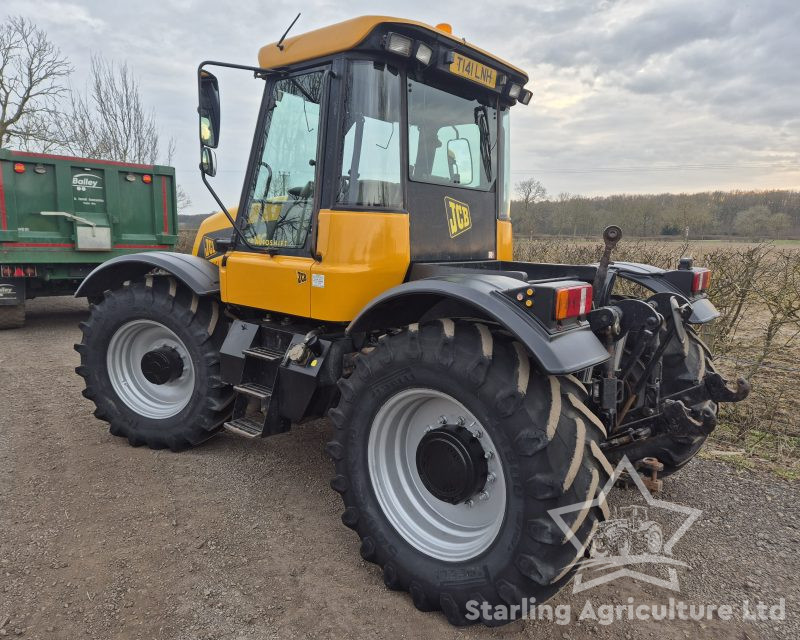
224	210
258	72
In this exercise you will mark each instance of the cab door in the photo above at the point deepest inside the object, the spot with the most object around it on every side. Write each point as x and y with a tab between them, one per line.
271	270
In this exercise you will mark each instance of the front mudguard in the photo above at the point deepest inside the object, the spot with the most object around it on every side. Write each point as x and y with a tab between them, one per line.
201	276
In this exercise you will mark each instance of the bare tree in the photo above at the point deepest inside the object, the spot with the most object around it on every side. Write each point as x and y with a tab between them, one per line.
32	72
530	191
183	199
110	121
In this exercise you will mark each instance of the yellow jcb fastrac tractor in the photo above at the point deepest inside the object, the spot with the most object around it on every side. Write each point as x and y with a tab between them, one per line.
367	275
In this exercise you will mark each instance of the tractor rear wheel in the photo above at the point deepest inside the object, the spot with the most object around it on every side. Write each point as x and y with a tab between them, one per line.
12	316
450	451
150	359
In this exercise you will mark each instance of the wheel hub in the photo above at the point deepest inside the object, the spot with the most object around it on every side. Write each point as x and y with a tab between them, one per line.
452	463
162	365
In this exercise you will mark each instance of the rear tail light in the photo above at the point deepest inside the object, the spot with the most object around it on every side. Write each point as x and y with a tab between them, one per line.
147	179
574	301
702	278
17	271
19	167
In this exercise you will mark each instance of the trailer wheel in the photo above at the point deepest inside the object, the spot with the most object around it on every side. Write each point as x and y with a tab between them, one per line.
450	450
12	316
150	359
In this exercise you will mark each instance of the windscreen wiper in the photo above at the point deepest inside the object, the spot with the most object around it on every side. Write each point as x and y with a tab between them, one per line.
482	120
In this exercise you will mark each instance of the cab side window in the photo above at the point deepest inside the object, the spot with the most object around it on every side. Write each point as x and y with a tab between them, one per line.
370	153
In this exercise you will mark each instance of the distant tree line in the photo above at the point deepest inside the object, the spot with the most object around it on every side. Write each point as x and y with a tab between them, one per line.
751	214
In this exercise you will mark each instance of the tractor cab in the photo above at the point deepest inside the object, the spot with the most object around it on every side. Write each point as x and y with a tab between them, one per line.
381	142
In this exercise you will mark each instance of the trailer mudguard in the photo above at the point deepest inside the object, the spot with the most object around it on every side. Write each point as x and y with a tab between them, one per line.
480	297
198	274
657	280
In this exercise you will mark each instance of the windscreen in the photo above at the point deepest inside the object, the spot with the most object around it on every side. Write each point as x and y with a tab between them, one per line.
282	193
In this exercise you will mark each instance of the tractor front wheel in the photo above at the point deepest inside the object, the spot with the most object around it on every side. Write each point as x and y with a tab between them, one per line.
150	359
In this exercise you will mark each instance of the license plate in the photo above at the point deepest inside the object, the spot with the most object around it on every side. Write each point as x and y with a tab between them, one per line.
473	70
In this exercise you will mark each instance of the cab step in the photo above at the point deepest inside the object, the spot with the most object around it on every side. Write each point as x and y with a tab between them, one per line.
265	353
246	427
254	390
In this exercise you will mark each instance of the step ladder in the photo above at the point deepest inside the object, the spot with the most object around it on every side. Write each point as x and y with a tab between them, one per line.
255	409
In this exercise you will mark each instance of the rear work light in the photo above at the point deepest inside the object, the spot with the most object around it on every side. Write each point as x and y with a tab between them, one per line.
702	278
574	301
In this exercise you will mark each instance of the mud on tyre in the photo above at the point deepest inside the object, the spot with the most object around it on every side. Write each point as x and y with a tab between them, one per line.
539	431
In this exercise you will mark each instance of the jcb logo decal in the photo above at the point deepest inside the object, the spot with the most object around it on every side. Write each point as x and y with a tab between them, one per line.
208	247
302	278
458	218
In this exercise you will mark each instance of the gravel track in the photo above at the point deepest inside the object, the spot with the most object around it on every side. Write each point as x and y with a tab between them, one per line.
242	539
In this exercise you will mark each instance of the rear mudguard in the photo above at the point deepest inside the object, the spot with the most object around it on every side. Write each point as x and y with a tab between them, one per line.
480	297
199	275
657	280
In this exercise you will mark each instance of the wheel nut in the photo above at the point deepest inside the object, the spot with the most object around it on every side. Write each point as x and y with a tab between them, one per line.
491	477
461	420
442	420
483	496
489	455
469	503
478	433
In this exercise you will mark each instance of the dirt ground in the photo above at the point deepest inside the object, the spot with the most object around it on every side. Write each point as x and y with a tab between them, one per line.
242	539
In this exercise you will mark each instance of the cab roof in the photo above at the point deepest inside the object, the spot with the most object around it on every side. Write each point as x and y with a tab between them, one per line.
347	35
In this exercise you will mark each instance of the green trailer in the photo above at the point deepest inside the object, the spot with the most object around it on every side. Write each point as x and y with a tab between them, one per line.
62	216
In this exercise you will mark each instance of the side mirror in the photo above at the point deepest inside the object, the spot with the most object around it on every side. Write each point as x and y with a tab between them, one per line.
208	162
459	160
209	109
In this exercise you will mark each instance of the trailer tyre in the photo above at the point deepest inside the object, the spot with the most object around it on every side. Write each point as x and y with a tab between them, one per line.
12	316
150	360
450	450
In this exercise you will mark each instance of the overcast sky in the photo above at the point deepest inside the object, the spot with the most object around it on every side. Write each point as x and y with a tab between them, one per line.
629	96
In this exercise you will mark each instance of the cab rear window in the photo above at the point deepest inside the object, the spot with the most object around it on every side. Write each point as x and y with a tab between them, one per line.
451	140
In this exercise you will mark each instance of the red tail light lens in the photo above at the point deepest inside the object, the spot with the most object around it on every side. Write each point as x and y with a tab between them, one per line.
702	278
147	179
572	302
19	167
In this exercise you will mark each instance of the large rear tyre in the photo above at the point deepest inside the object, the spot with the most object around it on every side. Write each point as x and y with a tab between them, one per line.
12	316
450	450
150	359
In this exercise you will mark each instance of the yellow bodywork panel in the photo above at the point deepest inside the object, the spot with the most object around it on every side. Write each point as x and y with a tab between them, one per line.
505	246
344	36
204	240
363	255
271	282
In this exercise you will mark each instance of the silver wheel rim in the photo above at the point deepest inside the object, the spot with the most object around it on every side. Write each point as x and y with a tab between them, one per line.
448	532
123	360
